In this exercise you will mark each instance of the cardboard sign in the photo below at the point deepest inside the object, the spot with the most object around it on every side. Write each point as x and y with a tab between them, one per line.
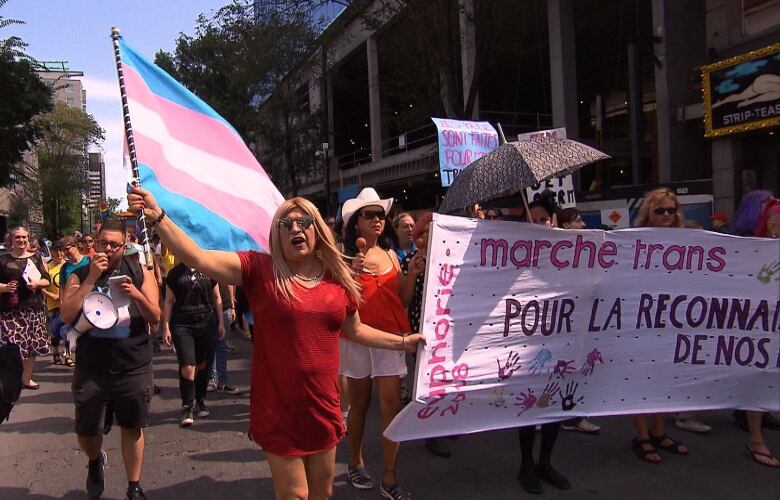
526	324
461	143
563	187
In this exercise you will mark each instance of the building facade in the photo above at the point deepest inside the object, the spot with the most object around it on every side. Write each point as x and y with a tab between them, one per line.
637	94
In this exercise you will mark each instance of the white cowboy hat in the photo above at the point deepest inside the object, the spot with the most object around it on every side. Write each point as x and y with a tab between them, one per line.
366	198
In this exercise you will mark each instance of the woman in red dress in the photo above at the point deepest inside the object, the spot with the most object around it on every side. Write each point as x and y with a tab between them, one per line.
303	296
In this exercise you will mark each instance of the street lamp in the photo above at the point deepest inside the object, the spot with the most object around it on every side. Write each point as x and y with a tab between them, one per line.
323	151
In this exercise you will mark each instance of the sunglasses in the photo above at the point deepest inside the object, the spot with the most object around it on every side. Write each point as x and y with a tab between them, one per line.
116	245
304	222
370	215
86	241
668	210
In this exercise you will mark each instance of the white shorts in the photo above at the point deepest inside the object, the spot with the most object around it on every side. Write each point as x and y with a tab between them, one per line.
359	361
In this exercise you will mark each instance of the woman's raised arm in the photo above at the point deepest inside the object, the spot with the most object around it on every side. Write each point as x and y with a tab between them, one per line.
221	266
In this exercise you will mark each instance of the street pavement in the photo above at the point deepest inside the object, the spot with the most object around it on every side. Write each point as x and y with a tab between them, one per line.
213	459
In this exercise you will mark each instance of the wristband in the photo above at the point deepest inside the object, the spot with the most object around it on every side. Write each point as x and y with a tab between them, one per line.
403	343
158	219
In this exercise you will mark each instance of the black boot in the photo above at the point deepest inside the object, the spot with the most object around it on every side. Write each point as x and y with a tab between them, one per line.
529	480
552	476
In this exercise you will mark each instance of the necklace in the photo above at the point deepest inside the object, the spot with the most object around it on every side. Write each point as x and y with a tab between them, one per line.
314	279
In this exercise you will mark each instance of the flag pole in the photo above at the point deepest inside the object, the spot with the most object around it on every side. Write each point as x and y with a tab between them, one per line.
131	143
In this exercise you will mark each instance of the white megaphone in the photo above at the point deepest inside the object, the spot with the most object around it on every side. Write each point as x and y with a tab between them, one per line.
97	311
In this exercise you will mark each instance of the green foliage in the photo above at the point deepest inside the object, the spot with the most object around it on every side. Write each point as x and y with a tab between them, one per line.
22	96
62	164
237	65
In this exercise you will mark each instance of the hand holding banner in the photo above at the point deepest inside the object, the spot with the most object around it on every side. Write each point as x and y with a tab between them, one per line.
526	325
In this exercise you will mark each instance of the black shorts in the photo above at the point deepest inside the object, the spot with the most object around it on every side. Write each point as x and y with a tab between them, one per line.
194	340
129	395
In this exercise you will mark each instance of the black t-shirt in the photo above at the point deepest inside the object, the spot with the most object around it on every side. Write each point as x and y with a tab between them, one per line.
415	306
192	291
122	355
12	269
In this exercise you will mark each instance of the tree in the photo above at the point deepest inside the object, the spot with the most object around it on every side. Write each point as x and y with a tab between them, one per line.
62	163
238	64
22	96
434	44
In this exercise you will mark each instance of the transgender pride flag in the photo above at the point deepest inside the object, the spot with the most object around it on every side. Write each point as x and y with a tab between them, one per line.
195	163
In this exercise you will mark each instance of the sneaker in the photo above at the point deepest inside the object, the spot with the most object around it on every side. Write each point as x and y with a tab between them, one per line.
212	386
228	389
186	417
585	426
200	409
135	493
692	425
394	492
96	481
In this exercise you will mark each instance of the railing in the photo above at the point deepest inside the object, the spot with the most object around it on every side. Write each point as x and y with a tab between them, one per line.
411	139
517	123
349	160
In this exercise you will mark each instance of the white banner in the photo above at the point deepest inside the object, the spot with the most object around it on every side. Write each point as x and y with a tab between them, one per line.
526	324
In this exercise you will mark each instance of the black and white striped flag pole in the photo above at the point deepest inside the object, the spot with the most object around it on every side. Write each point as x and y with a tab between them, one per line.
131	144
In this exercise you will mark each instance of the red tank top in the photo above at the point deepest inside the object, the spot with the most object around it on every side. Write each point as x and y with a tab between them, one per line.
381	306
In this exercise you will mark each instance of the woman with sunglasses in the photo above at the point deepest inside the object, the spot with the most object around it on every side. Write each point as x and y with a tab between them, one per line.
385	293
660	208
305	296
88	245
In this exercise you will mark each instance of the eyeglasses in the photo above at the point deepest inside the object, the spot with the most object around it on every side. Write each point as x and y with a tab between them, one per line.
668	210
370	215
304	222
115	245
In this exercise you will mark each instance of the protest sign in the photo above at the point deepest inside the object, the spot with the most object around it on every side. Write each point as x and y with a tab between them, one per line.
563	187
526	324
460	143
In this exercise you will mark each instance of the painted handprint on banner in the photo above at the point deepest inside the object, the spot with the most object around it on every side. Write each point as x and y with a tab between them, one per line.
550	391
498	398
568	401
542	358
769	270
512	364
594	357
526	401
562	368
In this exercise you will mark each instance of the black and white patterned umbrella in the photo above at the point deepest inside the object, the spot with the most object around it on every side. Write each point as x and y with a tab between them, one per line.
514	166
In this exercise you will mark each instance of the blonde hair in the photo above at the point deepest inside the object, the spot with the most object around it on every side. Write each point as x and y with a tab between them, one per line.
326	250
651	201
9	237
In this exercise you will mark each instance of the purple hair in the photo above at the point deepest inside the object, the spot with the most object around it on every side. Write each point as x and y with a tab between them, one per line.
746	217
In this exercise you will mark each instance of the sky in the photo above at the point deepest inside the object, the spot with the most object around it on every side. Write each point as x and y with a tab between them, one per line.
79	31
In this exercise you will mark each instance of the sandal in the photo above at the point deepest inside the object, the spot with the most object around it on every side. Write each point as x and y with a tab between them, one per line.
359	478
33	387
758	455
672	447
68	361
55	356
638	446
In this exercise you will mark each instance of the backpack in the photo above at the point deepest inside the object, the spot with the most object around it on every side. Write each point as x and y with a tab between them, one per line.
10	378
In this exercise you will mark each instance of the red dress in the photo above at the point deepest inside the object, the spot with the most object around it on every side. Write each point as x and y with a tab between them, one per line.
294	395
